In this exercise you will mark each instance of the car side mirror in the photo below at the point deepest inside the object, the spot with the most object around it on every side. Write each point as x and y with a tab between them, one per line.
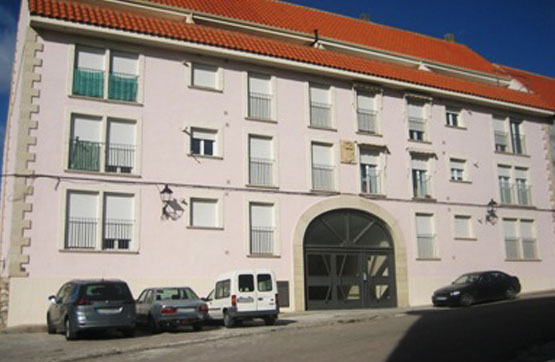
52	299
205	299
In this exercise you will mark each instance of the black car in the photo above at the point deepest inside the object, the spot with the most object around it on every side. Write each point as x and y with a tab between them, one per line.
477	287
91	304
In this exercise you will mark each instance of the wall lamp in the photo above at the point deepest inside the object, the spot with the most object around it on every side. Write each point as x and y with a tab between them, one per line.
166	196
491	212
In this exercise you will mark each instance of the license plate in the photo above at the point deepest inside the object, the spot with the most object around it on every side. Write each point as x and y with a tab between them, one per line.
441	298
185	310
108	310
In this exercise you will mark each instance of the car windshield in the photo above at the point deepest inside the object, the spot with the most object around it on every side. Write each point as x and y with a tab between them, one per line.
175	294
105	291
467	279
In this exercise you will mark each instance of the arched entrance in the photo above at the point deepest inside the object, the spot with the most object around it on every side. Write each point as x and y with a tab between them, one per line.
349	261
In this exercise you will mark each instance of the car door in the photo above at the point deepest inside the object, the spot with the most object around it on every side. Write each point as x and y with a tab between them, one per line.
58	310
485	287
266	295
247	296
222	293
142	306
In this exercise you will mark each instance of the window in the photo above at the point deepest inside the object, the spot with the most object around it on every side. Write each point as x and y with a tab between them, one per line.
517	144
89	74
99	221
92	150
520	240
463	227
264	282
246	283
261	229
417	120
203	142
320	106
205	76
420	177
261	161
517	193
452	117
425	237
367	115
370	173
323	169
223	289
260	96
458	169
205	213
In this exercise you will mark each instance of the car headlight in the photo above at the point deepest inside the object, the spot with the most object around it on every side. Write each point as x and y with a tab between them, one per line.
455	293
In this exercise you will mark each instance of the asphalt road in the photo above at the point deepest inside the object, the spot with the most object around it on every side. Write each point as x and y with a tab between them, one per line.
490	332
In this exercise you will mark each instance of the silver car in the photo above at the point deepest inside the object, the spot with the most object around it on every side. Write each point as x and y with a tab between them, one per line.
161	308
91	304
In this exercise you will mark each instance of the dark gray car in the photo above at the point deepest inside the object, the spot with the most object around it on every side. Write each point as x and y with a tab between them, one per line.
170	307
91	304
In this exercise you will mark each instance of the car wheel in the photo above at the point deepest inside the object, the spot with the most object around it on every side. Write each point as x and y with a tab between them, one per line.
229	322
510	293
153	325
467	300
50	326
128	332
270	320
70	334
197	326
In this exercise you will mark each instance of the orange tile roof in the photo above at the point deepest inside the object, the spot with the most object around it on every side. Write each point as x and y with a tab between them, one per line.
542	85
125	20
302	19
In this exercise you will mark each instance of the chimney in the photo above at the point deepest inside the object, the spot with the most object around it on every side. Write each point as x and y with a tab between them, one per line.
365	17
449	37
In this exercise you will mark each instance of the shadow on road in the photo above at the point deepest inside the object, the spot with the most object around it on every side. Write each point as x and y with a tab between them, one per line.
494	332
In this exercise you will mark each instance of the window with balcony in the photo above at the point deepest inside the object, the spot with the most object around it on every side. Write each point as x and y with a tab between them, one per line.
320	106
205	213
417	122
261	161
99	144
508	136
260	96
453	117
520	239
517	193
457	169
203	142
421	186
262	229
370	172
323	167
105	73
205	76
425	237
99	221
367	114
463	227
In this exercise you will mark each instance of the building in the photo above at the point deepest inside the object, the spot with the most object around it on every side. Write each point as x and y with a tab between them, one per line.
165	141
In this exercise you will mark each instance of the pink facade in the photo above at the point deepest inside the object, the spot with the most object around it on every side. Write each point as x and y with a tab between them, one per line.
169	109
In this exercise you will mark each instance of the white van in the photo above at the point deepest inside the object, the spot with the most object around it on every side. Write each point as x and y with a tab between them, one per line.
242	295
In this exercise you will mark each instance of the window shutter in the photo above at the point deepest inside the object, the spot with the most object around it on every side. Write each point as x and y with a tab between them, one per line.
366	101
416	110
118	207
260	147
509	229
321	155
204	213
204	135
82	205
90	58
521	173
122	133
462	226
419	164
262	215
205	76
124	63
86	128
320	94
457	164
527	230
499	124
369	157
424	225
504	171
260	83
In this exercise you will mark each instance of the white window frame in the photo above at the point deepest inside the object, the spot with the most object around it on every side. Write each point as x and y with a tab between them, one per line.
218	87
426	117
130	117
108	49
274	167
462	175
330	90
379	168
333	165
428	173
219	212
470	227
272	95
100	194
458	114
519	240
511	139
432	236
273	227
376	94
218	147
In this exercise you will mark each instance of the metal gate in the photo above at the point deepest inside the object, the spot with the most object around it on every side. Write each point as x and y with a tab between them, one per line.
349	262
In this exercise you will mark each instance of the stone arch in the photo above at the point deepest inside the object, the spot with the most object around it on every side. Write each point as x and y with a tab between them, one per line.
356	203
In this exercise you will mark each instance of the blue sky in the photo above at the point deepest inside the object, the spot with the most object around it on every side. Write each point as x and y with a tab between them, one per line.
516	33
